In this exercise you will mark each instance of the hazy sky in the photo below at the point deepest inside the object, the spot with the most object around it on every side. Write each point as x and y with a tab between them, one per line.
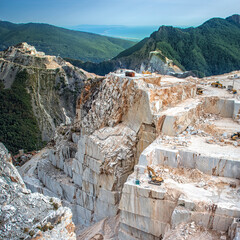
117	12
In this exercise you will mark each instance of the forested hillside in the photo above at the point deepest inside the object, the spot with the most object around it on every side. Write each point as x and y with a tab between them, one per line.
59	41
212	48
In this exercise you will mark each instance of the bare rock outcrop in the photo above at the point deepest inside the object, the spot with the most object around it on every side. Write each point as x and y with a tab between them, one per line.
53	84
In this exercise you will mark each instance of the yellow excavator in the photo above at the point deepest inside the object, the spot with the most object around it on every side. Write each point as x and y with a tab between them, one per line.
235	136
146	72
156	180
217	84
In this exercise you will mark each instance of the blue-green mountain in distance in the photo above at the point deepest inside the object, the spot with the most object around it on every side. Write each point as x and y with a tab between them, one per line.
63	42
210	49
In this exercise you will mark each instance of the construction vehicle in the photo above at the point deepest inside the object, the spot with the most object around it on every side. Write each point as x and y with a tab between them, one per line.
155	179
129	74
231	89
235	136
217	84
199	91
146	72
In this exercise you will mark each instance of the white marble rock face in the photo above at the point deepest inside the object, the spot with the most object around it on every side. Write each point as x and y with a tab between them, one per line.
129	123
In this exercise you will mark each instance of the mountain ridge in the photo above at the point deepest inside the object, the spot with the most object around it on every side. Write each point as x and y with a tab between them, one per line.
209	49
60	41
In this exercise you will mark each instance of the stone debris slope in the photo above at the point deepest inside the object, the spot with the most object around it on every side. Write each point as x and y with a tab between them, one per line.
107	228
26	215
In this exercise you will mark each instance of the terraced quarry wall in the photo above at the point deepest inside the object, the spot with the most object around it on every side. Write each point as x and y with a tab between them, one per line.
126	123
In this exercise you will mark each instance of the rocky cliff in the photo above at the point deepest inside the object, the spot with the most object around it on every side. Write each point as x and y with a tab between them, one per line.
26	215
90	161
98	165
52	83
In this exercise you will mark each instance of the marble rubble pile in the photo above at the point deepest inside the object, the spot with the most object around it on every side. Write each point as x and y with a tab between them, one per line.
26	215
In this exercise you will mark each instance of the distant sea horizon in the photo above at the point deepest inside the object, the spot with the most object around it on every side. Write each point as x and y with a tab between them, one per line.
133	33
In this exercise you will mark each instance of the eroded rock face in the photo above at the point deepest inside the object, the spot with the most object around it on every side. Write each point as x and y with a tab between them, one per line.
121	98
116	96
123	124
90	161
26	215
157	62
53	84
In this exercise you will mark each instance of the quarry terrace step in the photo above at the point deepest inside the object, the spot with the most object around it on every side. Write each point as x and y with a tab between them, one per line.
211	159
79	185
186	195
57	181
68	167
176	119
